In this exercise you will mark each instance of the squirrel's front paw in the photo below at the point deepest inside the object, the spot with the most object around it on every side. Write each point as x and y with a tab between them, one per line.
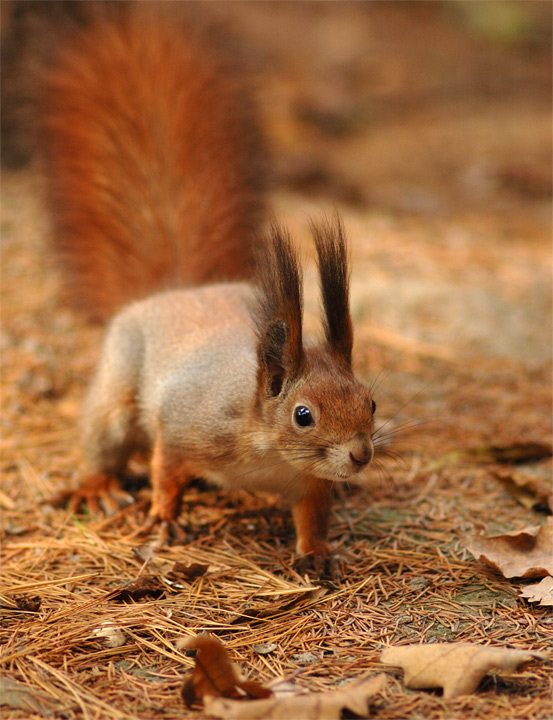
320	563
169	532
321	567
100	493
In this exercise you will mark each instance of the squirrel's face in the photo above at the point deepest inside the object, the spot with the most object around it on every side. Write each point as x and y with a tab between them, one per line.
325	421
313	410
330	432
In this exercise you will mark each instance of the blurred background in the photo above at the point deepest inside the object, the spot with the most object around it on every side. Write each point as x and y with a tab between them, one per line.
420	107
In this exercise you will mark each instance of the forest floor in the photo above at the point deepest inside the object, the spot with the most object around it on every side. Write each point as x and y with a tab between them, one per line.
433	140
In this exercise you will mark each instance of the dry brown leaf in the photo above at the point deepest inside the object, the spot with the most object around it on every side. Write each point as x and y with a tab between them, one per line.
264	610
21	696
521	452
526	553
28	603
214	674
25	603
313	706
145	586
181	572
458	668
541	592
513	454
531	487
146	554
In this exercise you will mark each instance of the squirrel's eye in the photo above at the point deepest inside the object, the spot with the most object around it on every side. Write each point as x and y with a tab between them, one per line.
373	407
303	416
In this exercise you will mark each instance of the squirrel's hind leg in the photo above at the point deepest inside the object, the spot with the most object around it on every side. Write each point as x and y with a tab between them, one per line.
110	436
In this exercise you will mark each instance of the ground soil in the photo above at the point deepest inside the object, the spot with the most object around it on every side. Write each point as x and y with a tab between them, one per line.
428	125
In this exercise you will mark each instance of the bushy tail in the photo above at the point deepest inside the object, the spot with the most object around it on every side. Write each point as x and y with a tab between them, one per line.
152	157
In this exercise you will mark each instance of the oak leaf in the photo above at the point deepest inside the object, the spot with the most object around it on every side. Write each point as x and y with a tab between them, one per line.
214	674
328	705
541	592
458	668
526	553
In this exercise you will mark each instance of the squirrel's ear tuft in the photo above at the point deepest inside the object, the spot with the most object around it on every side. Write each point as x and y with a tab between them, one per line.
278	311
332	253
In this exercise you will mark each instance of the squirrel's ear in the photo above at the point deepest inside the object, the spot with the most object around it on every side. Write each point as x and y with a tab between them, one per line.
332	253
278	312
273	358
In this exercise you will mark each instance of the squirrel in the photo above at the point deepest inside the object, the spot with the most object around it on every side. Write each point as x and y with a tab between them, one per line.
154	165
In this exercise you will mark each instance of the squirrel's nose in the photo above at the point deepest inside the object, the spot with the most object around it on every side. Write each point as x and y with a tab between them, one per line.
361	456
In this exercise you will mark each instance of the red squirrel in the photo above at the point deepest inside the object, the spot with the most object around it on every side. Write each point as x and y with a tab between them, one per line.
154	164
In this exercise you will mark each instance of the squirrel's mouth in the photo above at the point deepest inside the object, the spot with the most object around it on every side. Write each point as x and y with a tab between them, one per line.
340	476
353	474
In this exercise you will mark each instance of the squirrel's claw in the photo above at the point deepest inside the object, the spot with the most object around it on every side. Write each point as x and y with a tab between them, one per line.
102	494
321	565
169	532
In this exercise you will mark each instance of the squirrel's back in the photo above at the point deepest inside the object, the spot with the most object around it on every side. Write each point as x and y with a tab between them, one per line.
153	159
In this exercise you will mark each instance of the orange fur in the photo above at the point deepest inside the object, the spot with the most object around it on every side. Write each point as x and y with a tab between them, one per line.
311	515
169	477
152	156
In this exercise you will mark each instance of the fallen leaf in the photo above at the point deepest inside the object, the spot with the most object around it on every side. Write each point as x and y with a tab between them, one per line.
146	554
313	706
28	603
145	586
25	603
542	592
22	696
531	487
14	530
306	658
513	454
526	553
521	452
523	178
264	648
458	668
187	573
264	610
214	674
